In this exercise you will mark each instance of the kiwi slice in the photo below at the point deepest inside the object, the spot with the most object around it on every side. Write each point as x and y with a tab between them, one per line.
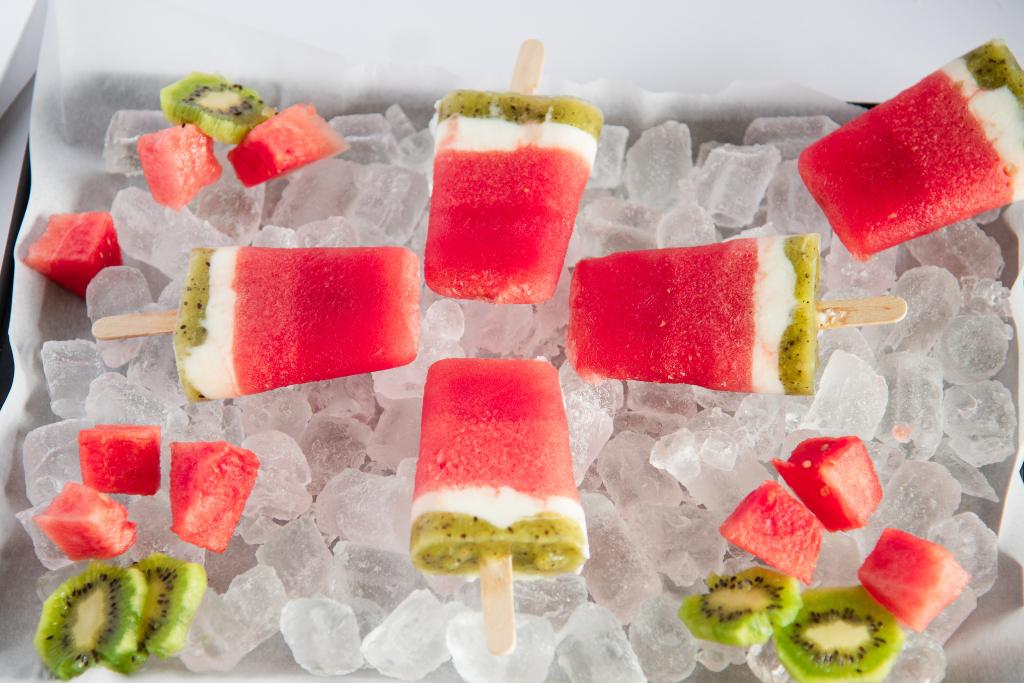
92	618
840	634
742	609
223	110
175	590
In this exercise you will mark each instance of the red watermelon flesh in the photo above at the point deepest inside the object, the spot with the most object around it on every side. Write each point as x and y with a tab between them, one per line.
178	162
121	458
913	578
293	138
74	248
210	483
836	479
86	524
777	528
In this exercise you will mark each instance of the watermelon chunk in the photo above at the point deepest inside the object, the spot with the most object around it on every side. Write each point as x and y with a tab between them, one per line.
86	524
295	137
913	578
777	528
121	458
74	248
177	162
836	479
210	483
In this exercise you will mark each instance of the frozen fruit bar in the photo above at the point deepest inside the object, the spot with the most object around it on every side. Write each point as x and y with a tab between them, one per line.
734	316
945	149
254	319
509	170
494	475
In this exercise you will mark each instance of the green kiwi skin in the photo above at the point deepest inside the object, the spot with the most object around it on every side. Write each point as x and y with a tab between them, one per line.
175	589
852	604
751	627
226	126
126	592
520	108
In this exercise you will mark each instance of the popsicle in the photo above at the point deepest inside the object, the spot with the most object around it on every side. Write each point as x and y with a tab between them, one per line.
253	319
494	488
509	170
945	149
740	315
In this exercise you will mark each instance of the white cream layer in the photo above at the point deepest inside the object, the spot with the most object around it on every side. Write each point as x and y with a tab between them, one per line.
502	506
774	302
210	367
468	134
1001	116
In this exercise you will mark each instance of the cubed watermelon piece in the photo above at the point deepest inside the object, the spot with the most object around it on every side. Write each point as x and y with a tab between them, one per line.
913	578
775	526
86	524
293	138
121	458
74	248
210	483
836	479
177	162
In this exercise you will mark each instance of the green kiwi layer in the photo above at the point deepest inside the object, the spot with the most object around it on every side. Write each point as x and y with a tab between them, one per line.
993	66
798	350
518	108
454	543
189	331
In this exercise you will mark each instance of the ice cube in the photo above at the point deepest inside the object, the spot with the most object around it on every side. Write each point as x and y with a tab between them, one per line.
971	479
681	542
416	152
367	508
851	398
256	530
610	224
155	368
335	231
728	401
69	367
914	412
588	409
369	615
232	208
344	397
297	553
321	190
363	572
397	434
948	621
763	662
280	490
611	150
400	124
722	490
257	597
120	154
973	347
921	661
761	423
443	326
152	517
669	399
845	272
555	599
849	339
276	237
838	561
628	476
528	663
369	136
49	555
495	329
113	399
981	420
656	164
49	582
975	546
389	202
594	649
792	209
218	637
933	298
686	225
115	290
323	636
285	410
333	444
666	650
962	248
888	457
619	575
733	180
984	295
717	657
160	236
410	643
710	438
656	425
919	495
789	134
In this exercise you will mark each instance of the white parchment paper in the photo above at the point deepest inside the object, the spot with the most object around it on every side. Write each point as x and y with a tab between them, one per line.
102	56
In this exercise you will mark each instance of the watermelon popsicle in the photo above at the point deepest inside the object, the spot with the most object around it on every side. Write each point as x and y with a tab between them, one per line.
945	149
740	315
509	170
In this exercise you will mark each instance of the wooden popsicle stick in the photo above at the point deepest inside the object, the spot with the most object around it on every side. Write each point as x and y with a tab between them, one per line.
132	325
876	310
498	605
529	65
